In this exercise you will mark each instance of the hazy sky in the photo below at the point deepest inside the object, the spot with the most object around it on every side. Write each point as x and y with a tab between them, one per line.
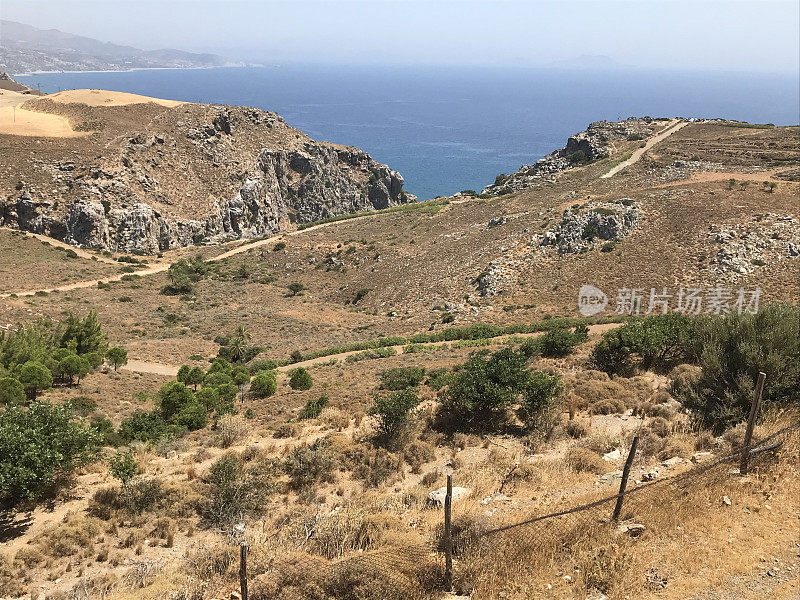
717	34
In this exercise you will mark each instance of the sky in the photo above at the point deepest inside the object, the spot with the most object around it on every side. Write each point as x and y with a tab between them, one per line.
756	35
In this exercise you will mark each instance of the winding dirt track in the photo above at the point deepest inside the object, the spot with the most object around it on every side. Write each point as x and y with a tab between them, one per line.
158	267
141	366
674	126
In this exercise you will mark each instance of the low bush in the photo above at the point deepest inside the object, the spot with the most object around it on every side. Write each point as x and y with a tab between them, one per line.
307	465
313	408
236	489
401	378
300	379
583	460
392	412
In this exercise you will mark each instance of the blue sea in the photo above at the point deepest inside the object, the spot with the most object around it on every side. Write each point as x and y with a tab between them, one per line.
449	129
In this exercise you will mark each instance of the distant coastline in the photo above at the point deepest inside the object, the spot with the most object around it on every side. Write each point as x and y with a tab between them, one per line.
231	66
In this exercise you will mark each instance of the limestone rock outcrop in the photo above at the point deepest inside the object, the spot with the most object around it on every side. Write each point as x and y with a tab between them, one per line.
582	148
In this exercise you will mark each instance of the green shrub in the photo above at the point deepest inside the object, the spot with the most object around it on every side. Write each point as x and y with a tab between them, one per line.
560	341
485	385
540	390
123	467
192	416
313	408
12	392
730	351
401	378
300	379
172	398
392	411
38	444
655	342
82	405
263	385
146	427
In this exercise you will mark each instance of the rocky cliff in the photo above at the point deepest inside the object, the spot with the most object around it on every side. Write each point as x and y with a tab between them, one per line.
163	178
581	149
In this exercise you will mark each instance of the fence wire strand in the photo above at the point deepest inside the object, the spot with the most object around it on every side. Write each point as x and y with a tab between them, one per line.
408	572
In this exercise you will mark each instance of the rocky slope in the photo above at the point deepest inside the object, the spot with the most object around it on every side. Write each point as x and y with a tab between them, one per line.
582	148
149	178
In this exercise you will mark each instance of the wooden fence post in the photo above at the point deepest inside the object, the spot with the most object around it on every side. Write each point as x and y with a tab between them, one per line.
243	569
448	537
626	471
751	423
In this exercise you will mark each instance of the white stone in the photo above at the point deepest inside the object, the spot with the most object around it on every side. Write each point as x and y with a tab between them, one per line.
436	497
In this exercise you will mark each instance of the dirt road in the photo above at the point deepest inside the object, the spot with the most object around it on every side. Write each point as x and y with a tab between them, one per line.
141	366
674	126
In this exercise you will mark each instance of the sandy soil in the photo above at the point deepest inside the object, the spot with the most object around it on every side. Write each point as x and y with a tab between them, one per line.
19	121
107	98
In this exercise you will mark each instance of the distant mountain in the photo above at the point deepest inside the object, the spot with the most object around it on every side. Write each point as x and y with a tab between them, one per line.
24	49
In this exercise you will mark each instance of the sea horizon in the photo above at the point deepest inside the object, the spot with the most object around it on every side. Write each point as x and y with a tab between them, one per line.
447	129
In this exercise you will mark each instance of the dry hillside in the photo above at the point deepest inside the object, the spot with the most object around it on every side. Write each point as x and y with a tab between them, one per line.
335	503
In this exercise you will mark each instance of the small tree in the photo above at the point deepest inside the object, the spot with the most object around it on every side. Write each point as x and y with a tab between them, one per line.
123	467
117	357
172	397
300	379
241	377
392	411
295	288
73	366
34	377
183	373
263	385
195	377
37	444
12	392
401	378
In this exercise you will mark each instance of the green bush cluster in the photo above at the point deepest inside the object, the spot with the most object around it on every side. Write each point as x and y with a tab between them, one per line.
181	406
402	378
730	350
35	356
655	342
39	444
476	332
479	391
183	276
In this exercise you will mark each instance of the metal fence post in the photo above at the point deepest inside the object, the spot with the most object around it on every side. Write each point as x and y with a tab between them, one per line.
626	471
751	423
243	569
448	537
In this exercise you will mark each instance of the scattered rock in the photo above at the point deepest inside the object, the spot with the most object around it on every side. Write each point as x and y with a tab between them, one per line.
726	501
632	529
436	497
674	461
700	457
582	148
612	456
497	221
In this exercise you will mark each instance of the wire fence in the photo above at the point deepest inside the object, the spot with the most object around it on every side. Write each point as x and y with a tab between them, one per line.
486	558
